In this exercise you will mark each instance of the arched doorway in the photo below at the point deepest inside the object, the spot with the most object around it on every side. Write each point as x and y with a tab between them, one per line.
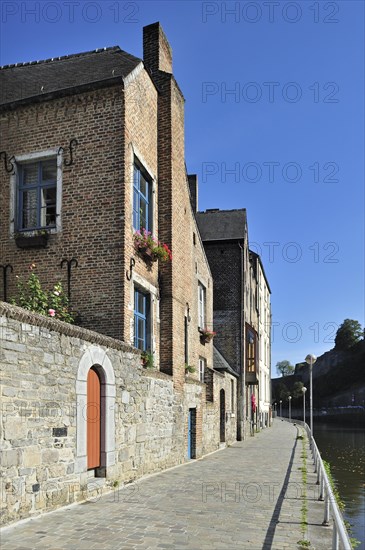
222	416
95	359
93	419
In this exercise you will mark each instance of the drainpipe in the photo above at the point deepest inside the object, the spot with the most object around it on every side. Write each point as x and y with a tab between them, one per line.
242	378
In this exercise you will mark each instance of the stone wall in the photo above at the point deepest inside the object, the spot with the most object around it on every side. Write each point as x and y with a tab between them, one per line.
44	366
43	414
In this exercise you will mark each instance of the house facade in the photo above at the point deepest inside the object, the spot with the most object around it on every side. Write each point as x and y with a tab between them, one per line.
263	293
92	156
239	301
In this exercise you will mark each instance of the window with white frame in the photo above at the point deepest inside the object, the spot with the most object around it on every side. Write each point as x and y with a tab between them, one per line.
142	320
232	396
201	305
202	367
142	199
36	194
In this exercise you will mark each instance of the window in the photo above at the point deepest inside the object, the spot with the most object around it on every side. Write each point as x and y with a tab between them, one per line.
201	305
202	365
141	320
232	396
142	200
250	350
186	340
37	195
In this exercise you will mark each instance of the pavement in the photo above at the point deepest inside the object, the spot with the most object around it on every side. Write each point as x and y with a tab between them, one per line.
248	496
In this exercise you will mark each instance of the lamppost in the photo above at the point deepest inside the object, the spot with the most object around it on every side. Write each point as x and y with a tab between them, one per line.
289	398
280	406
304	389
311	359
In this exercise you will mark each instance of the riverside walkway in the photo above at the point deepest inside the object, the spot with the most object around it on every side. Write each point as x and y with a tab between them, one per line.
248	496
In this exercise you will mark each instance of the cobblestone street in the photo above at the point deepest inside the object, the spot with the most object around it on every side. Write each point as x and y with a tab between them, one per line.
247	496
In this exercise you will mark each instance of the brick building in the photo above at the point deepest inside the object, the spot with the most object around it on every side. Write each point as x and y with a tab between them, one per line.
92	150
240	293
264	339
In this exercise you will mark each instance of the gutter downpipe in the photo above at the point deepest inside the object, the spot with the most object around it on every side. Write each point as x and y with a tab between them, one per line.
242	378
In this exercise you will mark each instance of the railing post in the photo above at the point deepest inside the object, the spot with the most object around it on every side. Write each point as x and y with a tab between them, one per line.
322	488
326	519
315	458
319	474
335	538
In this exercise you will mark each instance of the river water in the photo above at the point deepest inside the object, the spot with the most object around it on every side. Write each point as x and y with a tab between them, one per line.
343	446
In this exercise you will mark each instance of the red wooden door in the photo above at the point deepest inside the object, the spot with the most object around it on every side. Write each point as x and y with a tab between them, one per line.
93	419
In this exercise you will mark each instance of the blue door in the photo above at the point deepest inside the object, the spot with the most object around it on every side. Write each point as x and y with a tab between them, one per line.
191	432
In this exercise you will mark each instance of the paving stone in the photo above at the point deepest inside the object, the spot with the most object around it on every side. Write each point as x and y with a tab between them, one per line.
246	497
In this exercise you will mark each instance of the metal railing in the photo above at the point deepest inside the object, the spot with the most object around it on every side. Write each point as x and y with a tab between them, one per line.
340	538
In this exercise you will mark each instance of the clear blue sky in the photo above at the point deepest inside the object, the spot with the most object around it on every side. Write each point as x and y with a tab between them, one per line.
293	131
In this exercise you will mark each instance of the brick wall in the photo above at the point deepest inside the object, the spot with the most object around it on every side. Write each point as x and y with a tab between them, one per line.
92	209
225	263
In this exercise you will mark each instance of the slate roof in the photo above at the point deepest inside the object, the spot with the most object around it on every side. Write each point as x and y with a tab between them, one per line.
37	80
220	363
217	225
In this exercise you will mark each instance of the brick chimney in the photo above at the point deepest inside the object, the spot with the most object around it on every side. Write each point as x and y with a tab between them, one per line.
157	52
193	187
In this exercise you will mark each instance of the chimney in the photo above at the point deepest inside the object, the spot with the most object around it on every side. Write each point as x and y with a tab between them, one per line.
157	52
193	186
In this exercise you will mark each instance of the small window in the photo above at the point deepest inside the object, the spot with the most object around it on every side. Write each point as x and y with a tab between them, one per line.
186	340
201	305
142	199
37	195
202	366
232	396
141	320
251	345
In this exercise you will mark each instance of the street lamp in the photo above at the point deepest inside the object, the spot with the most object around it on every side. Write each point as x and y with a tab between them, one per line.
304	389
289	408
280	406
311	359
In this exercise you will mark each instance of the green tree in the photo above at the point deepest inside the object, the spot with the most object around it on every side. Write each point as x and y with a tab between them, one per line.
284	367
348	334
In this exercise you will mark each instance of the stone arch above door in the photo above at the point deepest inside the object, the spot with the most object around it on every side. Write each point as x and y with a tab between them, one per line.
96	357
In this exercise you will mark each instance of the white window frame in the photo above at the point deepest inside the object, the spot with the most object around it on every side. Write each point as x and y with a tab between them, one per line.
35	157
202	367
232	396
202	295
137	157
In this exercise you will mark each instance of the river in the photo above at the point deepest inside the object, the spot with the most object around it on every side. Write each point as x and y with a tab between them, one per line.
343	446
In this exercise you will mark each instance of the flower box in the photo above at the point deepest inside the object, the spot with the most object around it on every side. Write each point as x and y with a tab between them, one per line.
31	241
206	335
149	248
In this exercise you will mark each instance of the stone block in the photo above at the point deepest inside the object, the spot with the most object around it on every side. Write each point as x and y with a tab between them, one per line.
15	427
125	397
31	457
56	470
48	358
10	458
9	392
49	456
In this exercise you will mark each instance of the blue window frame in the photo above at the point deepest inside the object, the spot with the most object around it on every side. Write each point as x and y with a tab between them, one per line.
37	195
142	203
141	320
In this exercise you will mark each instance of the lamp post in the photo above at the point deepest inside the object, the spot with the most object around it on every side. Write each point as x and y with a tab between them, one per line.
304	389
280	406
289	398
311	359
